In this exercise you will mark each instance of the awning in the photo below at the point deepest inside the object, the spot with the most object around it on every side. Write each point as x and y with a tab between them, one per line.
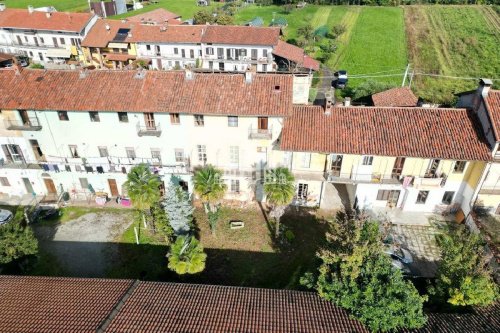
58	53
118	56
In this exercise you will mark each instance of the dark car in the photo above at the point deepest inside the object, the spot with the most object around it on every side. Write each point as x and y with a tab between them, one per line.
340	79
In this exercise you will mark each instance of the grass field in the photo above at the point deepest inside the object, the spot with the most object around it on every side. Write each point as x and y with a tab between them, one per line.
185	8
452	40
60	5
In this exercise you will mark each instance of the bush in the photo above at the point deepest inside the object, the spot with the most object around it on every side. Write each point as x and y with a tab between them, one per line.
289	235
37	66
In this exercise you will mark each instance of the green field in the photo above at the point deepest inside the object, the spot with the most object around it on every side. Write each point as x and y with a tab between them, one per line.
452	40
60	5
185	8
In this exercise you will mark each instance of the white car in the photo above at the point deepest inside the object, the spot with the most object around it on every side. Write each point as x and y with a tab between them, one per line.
5	216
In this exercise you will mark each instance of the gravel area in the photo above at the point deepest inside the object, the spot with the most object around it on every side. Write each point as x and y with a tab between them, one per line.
85	246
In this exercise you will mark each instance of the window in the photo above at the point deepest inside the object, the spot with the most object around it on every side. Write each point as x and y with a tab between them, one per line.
183	53
367	160
179	155
202	153
448	197
383	195
422	197
130	152
13	153
210	65
221	66
156	154
42	40
220	53
262	124
264	67
253	53
175	118
148	47
4	181
191	54
84	183
103	151
176	50
306	160
264	53
232	121
336	166
459	166
123	117
63	115
73	150
302	191
235	185
391	196
432	169
234	155
209	50
199	120
94	117
63	42
243	52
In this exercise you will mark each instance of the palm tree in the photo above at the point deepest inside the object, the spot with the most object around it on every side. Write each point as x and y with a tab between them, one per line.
209	186
186	256
279	187
143	188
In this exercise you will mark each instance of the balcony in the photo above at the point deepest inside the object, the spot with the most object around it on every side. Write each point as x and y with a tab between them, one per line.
490	189
353	178
151	130
260	134
429	182
31	124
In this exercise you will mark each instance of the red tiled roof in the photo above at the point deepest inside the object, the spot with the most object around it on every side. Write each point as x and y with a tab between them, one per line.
402	96
104	31
58	21
295	54
158	16
43	305
241	35
169	307
492	102
411	132
156	91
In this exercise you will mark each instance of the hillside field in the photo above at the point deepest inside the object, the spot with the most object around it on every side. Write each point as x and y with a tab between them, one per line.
60	5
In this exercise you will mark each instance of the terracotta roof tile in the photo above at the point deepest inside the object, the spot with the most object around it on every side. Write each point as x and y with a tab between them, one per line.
241	35
492	102
413	132
168	307
295	54
402	96
172	34
156	91
157	16
43	305
58	21
104	31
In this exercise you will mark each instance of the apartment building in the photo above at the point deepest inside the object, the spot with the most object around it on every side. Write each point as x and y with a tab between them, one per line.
45	37
412	159
91	127
116	44
485	103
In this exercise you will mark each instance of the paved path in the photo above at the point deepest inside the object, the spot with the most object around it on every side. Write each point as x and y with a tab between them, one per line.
324	85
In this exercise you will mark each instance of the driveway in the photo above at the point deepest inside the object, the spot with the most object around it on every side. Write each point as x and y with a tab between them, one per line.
85	246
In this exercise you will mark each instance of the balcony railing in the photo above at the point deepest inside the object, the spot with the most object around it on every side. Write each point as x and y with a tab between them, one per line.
152	130
260	134
429	182
352	177
31	124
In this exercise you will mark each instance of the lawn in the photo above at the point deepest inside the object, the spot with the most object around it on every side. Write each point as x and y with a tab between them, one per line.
452	40
60	5
243	257
185	8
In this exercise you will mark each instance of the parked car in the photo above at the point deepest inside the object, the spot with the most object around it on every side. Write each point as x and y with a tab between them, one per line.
5	216
23	61
398	253
402	267
340	79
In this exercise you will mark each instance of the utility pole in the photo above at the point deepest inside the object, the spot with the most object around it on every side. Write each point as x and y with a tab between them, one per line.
411	77
406	73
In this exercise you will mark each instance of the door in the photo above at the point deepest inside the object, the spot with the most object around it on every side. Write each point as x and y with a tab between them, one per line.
392	201
55	42
37	150
36	41
49	185
431	171
28	186
398	167
336	165
157	50
149	120
113	188
24	117
262	124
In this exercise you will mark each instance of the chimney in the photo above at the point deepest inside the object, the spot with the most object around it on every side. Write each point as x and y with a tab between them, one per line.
328	102
129	34
248	76
189	74
48	14
484	87
83	73
108	27
31	9
18	68
347	101
2	7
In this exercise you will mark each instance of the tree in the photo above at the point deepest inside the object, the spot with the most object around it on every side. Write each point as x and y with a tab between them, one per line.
16	242
209	186
358	276
143	188
178	209
307	32
463	277
279	188
162	222
369	88
186	256
203	17
224	19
